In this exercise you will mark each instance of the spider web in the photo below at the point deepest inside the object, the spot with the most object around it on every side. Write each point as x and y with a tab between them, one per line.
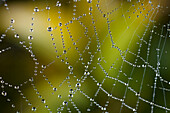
96	56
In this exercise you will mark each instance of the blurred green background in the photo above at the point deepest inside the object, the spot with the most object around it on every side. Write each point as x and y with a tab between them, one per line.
138	30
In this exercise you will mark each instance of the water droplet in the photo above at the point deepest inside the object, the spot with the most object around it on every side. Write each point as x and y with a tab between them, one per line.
54	89
46	106
12	21
99	84
70	95
150	2
34	109
5	4
99	59
134	109
36	9
58	4
43	66
90	9
8	100
48	7
88	109
49	29
2	81
49	19
59	96
30	37
13	106
43	101
89	1
71	91
65	103
60	24
16	36
31	30
64	51
70	67
78	85
4	93
16	87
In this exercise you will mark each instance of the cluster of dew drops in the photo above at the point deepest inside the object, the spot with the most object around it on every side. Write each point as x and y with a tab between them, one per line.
30	37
